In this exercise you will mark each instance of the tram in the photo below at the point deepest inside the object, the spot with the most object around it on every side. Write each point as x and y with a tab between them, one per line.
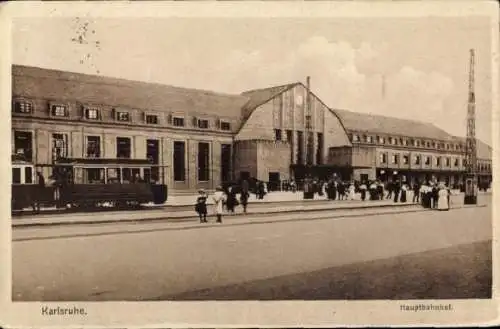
88	183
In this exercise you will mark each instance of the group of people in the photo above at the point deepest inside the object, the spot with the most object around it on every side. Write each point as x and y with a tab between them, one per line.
223	197
433	195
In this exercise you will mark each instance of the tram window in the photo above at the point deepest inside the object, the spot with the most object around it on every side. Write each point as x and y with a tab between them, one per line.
147	175
127	175
28	175
136	172
16	175
95	175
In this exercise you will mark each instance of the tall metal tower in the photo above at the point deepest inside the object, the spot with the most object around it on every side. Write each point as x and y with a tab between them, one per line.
471	150
309	149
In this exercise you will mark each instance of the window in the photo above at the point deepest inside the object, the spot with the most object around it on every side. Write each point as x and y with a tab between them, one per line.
16	175
427	160
456	162
91	113
438	161
58	110
277	134
23	145
395	158
405	159
123	147
405	142
300	147
383	158
178	122
93	146
369	139
21	106
355	138
464	162
381	140
400	141
224	125
203	162
122	116
153	119
28	175
365	138
319	149
179	161
225	162
59	146
417	159
202	124
448	162
428	144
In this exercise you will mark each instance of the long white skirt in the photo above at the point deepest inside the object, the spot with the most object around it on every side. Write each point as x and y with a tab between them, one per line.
443	201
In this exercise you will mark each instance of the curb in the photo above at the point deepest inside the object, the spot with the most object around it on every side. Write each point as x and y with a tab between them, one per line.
181	219
193	217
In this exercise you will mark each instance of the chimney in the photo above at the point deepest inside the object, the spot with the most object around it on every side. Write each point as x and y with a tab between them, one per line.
308	82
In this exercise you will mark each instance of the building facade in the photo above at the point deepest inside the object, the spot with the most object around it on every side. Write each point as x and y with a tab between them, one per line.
203	138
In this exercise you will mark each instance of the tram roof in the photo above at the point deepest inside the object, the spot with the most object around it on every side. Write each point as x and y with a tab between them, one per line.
103	161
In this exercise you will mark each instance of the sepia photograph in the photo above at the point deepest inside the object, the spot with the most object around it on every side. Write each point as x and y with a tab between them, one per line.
248	158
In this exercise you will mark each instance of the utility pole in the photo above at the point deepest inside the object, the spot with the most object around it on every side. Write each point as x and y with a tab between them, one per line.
471	150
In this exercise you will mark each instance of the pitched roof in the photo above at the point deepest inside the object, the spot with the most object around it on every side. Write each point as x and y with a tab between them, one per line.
258	97
55	84
368	122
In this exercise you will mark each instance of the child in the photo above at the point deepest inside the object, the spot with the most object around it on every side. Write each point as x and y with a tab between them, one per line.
201	206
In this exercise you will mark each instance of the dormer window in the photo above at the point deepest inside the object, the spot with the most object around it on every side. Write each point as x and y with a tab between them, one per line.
23	106
92	113
355	138
202	123
122	116
59	110
225	125
178	122
151	119
381	140
369	139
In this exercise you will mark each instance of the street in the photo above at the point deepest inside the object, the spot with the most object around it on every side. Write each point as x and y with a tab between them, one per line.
332	258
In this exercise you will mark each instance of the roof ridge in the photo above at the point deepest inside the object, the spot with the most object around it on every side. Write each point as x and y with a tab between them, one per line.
269	88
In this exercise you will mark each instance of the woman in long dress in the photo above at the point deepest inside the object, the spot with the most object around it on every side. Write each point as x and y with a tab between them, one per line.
352	190
219	198
443	199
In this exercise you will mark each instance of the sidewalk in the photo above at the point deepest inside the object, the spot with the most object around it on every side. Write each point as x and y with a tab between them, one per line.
191	216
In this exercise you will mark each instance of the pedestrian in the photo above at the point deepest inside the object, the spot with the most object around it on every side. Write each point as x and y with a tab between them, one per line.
201	206
389	189
352	191
443	202
362	189
373	191
219	199
231	202
396	189
380	191
435	195
416	193
403	193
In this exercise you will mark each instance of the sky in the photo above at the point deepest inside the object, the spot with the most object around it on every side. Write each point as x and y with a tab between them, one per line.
412	68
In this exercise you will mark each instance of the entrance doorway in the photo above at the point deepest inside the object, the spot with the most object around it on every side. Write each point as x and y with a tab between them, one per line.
23	144
225	162
153	155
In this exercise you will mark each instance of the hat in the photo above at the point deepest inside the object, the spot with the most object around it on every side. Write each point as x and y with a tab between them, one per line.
201	190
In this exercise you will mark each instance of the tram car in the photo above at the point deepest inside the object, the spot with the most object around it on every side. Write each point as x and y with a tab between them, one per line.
88	183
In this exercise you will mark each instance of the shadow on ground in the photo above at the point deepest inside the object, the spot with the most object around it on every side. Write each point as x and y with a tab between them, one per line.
459	272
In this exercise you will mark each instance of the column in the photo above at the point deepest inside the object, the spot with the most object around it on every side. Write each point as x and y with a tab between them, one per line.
77	144
139	147
109	145
215	163
166	160
42	146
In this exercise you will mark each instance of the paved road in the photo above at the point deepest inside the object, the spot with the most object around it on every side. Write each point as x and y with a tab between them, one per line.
155	263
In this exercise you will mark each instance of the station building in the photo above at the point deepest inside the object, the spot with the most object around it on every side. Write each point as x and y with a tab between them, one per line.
203	138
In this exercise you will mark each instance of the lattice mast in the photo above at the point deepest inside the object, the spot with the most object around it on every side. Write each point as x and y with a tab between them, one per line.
471	151
309	154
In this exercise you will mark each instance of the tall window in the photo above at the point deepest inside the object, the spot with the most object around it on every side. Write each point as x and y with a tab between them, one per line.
383	158
427	160
123	147
381	140
277	134
456	162
300	147
448	162
319	150
23	144
438	161
417	159
355	138
153	150
203	162
179	161
93	146
405	159
59	146
225	162
289	139
395	158
22	106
